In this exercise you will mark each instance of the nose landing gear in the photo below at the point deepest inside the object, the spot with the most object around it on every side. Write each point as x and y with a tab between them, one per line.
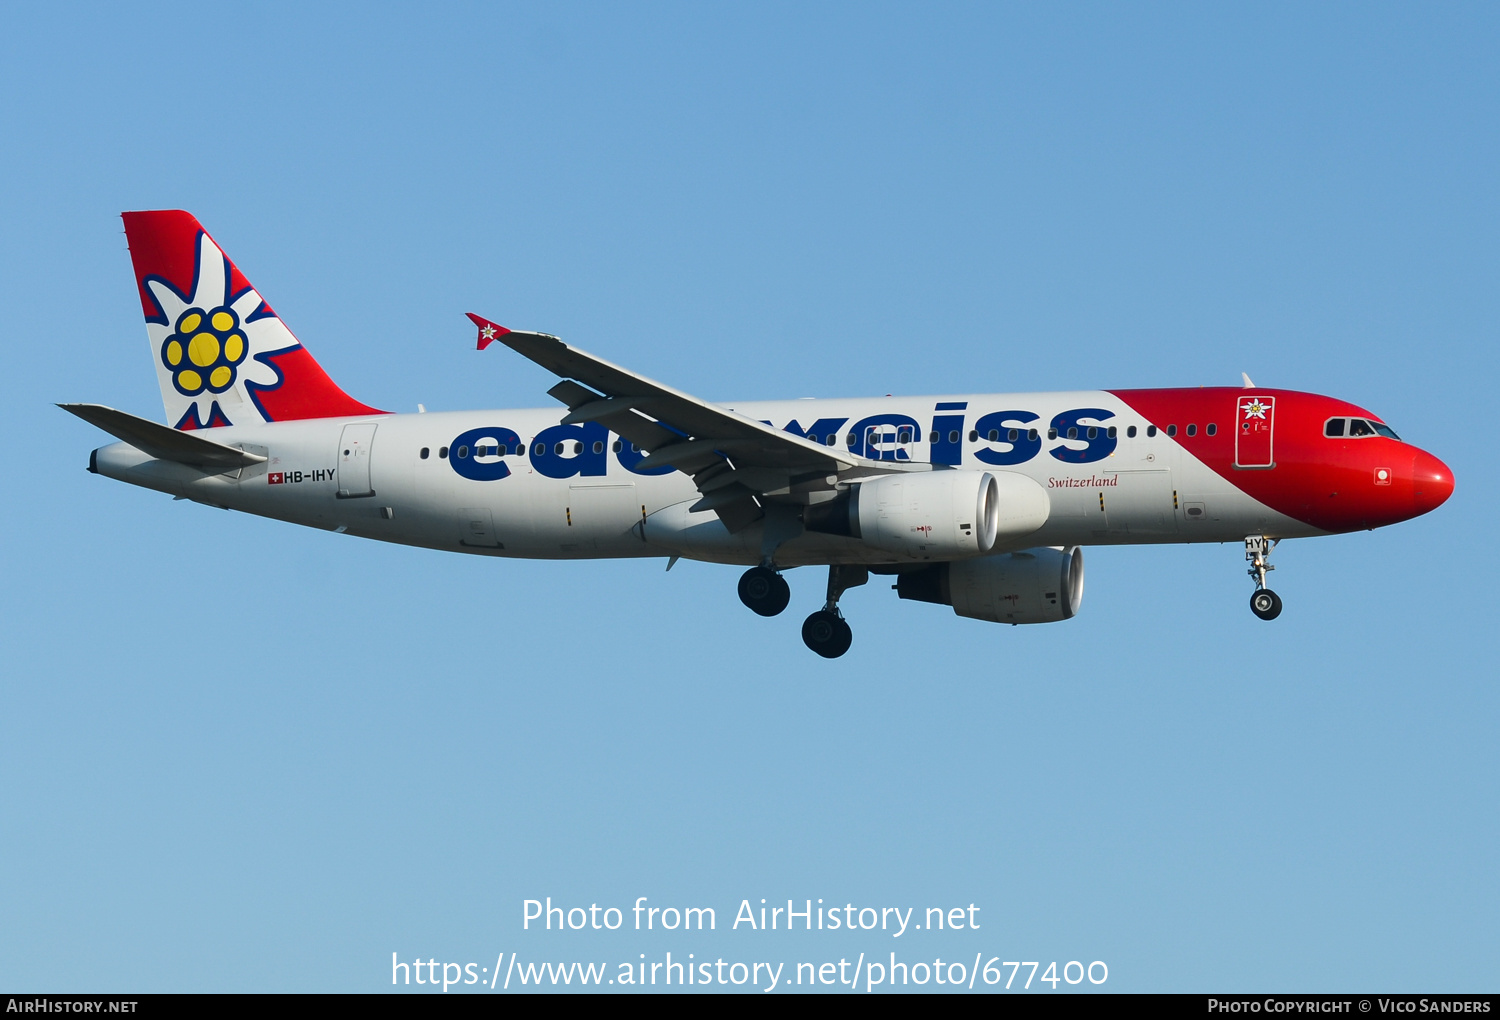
1264	603
764	591
826	632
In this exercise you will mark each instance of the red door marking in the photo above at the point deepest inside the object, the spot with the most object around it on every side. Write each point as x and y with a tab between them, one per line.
1253	435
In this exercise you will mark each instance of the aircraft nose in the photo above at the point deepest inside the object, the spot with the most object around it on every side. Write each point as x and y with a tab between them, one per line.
1432	482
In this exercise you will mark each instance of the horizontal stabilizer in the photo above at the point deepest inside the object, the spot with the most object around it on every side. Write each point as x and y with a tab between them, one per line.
162	442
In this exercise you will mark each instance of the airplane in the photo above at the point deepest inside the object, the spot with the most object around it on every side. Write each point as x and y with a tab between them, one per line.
980	502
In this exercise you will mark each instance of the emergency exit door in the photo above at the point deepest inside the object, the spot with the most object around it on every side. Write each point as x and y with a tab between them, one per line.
891	441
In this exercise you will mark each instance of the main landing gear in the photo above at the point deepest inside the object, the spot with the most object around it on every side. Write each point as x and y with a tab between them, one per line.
1264	603
764	591
826	631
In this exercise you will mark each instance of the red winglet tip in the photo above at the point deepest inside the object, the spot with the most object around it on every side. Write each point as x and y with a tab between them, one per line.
489	331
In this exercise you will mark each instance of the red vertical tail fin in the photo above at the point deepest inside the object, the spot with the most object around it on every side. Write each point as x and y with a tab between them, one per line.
222	356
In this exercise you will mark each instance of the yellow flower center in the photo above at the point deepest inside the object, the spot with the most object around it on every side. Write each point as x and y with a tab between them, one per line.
204	350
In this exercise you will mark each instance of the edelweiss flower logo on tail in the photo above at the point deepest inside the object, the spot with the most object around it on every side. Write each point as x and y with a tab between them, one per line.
222	356
208	341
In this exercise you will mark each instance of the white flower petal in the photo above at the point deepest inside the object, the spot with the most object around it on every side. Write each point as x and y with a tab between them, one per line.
212	279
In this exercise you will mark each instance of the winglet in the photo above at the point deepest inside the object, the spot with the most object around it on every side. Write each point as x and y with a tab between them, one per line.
489	331
1248	384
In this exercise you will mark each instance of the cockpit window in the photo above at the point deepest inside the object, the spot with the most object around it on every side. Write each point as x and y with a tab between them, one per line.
1357	428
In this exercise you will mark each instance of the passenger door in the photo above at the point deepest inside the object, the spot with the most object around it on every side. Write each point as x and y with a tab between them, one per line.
1253	446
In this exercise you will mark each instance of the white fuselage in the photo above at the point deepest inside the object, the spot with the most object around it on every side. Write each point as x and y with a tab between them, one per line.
402	479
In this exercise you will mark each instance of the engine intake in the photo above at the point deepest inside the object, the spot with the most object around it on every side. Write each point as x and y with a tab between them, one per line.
1031	586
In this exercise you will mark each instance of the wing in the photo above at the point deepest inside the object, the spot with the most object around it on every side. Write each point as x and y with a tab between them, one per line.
736	462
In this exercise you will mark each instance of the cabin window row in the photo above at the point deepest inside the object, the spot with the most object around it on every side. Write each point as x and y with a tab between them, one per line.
539	450
1334	427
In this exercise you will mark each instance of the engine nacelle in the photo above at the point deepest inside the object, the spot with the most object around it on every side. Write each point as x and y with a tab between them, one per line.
935	515
932	515
1031	586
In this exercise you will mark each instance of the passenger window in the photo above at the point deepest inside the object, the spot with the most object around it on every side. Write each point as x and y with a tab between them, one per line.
1212	429
1111	432
832	438
598	446
1093	432
903	436
539	449
424	453
1192	430
461	453
1150	431
1073	432
931	439
1334	428
953	436
618	446
1052	433
1171	430
577	447
850	440
973	436
1130	432
442	453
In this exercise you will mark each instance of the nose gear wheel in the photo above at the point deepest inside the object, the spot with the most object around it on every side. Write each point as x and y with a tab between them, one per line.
1264	603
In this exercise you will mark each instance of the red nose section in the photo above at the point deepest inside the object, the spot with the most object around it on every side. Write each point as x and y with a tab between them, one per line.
1431	482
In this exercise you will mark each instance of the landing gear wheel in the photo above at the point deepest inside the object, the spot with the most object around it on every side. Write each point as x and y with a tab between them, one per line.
827	634
764	591
1265	604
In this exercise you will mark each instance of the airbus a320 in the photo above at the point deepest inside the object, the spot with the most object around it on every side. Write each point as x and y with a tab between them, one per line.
978	501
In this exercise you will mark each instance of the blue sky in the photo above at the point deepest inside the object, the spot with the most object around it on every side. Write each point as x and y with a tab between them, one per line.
239	755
